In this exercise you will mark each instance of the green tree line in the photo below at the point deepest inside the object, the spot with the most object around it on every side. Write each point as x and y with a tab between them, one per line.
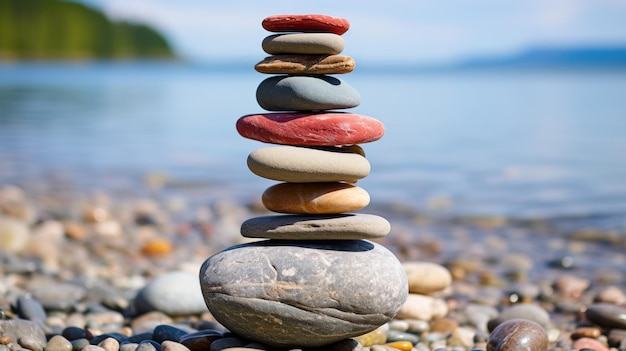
54	29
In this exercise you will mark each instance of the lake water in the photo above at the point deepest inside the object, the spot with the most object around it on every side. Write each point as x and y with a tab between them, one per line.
545	144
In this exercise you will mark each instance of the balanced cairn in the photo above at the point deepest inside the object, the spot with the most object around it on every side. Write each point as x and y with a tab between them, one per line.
316	279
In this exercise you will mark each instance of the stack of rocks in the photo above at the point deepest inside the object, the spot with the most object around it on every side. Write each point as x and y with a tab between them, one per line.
315	279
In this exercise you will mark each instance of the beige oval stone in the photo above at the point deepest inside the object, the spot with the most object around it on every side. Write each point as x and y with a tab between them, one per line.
427	277
303	43
169	345
306	64
321	198
306	165
422	307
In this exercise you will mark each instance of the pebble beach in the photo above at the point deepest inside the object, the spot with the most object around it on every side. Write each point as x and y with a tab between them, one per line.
117	269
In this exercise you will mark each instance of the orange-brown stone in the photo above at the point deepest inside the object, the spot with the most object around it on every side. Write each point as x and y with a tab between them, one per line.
305	64
401	345
157	247
586	332
315	198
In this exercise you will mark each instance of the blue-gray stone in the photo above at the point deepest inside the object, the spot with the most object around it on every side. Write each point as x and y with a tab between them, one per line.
74	333
306	93
174	293
63	297
117	336
31	309
137	338
303	293
167	332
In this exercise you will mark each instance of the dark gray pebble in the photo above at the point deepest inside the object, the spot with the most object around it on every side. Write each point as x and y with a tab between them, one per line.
137	338
225	343
165	332
203	325
342	345
73	333
617	337
28	308
200	340
117	336
607	315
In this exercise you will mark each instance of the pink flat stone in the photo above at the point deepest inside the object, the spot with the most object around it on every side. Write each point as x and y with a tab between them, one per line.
306	23
311	129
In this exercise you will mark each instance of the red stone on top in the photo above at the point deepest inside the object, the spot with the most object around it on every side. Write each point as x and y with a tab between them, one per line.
311	129
306	23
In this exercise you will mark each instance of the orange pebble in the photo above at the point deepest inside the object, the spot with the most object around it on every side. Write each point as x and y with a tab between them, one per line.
401	345
157	247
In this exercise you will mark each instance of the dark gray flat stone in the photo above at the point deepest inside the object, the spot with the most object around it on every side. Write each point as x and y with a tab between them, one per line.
316	227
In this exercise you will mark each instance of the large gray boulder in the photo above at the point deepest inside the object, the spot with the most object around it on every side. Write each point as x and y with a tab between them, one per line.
303	293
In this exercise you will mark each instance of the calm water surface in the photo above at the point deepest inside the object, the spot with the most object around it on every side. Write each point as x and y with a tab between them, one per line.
511	143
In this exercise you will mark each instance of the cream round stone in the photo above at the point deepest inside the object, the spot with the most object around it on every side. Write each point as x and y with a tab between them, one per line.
422	307
304	165
426	277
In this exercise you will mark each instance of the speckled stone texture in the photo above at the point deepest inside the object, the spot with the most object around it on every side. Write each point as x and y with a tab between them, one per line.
306	64
303	293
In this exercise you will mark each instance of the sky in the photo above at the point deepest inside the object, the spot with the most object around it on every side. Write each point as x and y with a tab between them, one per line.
417	31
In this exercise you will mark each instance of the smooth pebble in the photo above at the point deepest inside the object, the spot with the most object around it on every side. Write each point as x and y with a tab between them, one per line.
306	165
306	93
303	43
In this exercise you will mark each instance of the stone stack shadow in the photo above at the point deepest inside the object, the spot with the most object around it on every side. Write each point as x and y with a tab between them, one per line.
314	279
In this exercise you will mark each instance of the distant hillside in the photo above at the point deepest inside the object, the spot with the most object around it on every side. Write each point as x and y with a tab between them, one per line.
59	30
557	57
